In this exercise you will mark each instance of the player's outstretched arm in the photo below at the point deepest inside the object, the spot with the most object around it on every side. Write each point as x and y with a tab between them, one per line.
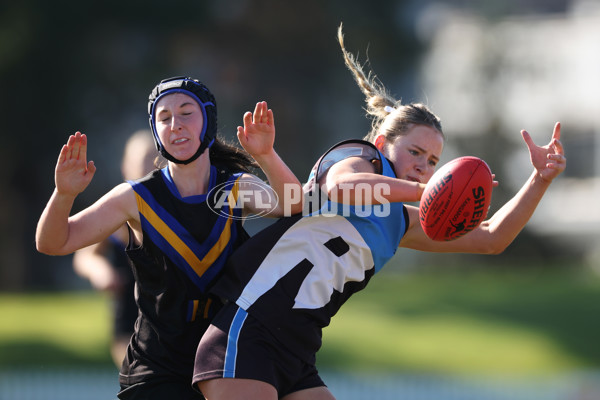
496	233
71	176
548	162
59	234
257	137
346	181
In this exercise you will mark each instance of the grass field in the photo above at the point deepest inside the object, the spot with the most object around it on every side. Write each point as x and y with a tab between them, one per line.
54	329
492	323
458	323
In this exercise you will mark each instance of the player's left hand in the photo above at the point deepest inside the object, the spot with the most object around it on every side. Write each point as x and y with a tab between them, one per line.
257	136
549	161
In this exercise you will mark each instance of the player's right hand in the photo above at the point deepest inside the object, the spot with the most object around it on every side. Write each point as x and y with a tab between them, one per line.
73	173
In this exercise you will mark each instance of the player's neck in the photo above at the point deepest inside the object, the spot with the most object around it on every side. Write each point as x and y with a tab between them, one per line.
191	179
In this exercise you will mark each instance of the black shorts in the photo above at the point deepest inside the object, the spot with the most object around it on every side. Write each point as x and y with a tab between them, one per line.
236	345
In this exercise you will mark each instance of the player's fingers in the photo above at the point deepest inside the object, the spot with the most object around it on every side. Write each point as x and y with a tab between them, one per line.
262	118
241	134
247	118
494	181
83	149
557	158
528	140
257	113
556	133
91	168
76	146
271	118
62	156
70	145
558	146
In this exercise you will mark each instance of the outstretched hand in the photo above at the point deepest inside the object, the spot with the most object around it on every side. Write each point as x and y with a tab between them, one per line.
549	161
73	173
257	136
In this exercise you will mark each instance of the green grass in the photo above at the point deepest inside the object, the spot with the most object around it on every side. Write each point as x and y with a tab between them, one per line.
46	329
504	322
495	323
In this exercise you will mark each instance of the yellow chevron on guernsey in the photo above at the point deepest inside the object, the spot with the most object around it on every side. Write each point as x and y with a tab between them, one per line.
218	248
199	266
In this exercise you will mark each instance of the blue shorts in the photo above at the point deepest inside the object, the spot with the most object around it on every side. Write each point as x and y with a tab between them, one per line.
237	345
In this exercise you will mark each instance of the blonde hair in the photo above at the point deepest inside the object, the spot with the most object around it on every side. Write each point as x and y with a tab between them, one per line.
390	117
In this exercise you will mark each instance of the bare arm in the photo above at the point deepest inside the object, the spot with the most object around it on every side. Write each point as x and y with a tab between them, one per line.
354	181
496	233
257	136
59	234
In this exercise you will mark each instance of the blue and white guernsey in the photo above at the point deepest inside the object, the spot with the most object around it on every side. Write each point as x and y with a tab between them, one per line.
296	274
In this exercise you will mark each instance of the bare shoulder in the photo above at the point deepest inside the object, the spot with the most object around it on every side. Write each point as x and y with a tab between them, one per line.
250	181
248	177
350	165
354	164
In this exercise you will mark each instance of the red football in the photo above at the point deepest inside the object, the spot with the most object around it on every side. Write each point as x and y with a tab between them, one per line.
456	198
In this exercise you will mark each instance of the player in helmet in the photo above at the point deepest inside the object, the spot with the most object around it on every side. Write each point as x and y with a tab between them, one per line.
208	106
180	234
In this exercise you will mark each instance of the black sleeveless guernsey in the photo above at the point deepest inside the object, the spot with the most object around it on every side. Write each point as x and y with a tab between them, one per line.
185	246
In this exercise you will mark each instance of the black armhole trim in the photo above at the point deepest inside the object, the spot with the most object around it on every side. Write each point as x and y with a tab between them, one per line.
130	242
344	142
406	218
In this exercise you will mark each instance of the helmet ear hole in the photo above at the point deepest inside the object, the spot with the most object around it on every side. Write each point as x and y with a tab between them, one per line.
199	92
